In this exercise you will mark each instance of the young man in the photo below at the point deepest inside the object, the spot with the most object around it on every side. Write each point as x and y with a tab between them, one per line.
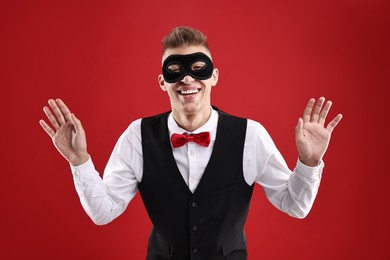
195	166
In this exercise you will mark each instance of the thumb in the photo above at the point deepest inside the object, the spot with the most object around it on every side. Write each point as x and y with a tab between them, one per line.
298	128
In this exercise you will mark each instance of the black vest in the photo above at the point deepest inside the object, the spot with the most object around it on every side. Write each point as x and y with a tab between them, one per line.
208	224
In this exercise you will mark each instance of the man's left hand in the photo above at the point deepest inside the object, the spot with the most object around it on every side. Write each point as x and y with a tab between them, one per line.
311	136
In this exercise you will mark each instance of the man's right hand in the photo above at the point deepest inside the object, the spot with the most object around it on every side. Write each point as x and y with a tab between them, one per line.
68	135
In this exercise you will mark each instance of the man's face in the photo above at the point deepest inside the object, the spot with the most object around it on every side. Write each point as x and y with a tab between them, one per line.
189	95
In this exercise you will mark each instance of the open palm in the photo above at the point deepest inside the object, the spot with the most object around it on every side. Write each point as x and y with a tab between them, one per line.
69	136
312	137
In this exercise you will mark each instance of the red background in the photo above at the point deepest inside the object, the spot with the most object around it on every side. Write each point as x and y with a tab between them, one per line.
102	58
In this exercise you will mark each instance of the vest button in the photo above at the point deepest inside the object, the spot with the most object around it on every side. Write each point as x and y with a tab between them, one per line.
195	250
194	204
194	228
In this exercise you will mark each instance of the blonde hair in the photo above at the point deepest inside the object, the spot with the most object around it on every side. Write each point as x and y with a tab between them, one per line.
184	35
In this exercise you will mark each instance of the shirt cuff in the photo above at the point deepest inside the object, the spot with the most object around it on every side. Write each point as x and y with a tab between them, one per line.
313	173
88	166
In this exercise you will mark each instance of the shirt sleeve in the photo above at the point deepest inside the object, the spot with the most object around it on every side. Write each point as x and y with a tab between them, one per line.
104	199
292	192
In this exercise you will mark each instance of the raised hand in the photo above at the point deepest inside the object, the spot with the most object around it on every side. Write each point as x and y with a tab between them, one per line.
68	135
311	135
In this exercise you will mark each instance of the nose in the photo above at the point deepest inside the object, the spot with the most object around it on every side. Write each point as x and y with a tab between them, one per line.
187	79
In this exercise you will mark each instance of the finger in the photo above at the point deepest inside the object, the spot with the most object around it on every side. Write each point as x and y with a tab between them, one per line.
307	111
316	110
57	112
47	128
324	112
332	124
77	124
64	109
51	117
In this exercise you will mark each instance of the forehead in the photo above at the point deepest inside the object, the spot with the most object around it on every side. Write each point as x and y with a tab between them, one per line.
187	49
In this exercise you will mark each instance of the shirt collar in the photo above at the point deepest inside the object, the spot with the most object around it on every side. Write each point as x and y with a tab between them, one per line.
209	126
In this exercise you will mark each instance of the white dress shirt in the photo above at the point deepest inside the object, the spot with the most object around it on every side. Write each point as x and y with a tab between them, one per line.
105	199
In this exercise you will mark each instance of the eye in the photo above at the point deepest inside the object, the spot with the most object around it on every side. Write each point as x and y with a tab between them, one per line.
175	68
199	65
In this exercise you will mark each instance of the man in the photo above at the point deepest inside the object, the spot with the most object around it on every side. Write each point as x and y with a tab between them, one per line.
195	166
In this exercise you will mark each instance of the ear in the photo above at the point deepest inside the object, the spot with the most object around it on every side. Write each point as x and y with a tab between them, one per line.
161	82
215	77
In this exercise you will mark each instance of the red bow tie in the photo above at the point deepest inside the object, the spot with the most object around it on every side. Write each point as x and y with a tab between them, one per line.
202	139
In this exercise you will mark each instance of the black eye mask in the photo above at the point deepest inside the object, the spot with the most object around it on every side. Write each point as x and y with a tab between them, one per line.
198	65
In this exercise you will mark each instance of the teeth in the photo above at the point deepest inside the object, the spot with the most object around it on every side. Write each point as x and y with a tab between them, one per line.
187	92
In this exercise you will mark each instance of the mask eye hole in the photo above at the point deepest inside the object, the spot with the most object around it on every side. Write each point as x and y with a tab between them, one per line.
198	66
174	68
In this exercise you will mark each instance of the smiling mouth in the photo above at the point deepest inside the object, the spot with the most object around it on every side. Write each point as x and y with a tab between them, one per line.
188	92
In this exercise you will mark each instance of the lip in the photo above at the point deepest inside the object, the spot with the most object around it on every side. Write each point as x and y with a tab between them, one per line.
188	88
189	97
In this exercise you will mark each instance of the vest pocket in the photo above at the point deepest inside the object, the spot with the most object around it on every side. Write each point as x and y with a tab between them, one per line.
158	247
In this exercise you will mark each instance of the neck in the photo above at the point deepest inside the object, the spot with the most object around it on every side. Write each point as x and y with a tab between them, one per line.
191	122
